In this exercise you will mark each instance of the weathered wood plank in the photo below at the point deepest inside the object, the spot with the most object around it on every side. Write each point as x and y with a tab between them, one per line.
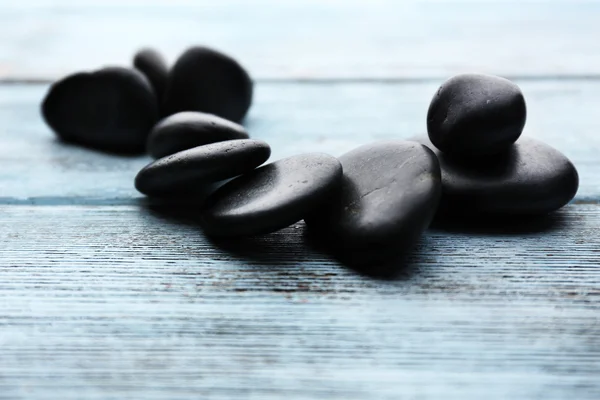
293	118
117	302
308	39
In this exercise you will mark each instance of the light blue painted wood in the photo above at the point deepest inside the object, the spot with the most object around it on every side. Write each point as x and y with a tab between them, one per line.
293	118
115	302
308	39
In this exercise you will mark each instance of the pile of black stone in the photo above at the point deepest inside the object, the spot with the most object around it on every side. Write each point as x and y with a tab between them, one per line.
114	108
370	206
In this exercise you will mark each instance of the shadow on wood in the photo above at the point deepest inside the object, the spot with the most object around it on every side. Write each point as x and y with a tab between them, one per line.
376	263
267	249
271	248
101	150
504	225
294	243
180	212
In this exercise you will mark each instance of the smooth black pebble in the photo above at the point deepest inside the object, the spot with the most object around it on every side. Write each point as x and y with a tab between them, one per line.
189	129
153	65
389	194
475	115
112	109
272	197
531	178
208	81
189	171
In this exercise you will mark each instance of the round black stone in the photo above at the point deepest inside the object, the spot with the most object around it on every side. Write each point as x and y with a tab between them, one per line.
112	109
189	170
531	178
152	64
271	197
476	115
389	194
189	129
206	80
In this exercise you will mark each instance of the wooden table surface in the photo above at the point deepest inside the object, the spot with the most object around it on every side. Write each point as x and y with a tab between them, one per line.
103	297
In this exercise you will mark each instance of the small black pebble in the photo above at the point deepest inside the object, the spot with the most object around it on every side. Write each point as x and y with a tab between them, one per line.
531	178
271	197
389	194
190	170
152	64
189	129
112	109
476	115
206	80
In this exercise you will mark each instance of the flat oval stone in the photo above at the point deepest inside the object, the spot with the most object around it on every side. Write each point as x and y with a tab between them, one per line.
112	109
189	129
153	65
476	115
189	170
531	178
271	197
389	194
206	80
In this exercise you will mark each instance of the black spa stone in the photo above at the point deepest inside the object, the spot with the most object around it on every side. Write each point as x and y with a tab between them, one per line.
271	197
531	178
112	109
474	115
206	80
152	64
190	171
189	129
389	194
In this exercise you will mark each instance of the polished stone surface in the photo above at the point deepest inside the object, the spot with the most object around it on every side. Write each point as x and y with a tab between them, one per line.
112	109
153	65
476	115
389	194
207	80
272	197
189	129
190	170
531	178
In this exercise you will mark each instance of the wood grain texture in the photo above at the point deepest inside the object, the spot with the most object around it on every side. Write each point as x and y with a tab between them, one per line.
308	39
293	118
119	302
